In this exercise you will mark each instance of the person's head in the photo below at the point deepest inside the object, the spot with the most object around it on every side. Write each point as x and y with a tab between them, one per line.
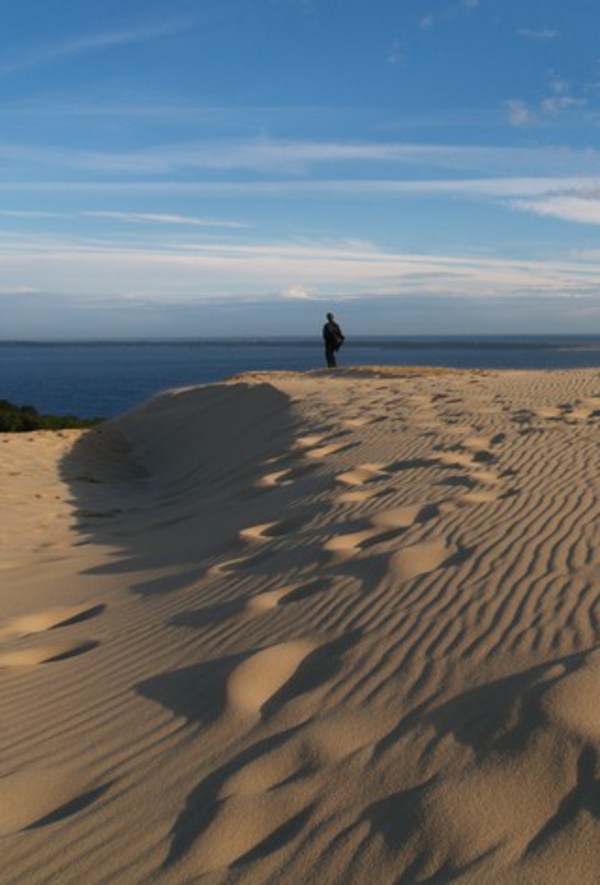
330	317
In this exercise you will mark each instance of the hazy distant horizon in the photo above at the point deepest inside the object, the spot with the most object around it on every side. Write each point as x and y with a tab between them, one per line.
512	338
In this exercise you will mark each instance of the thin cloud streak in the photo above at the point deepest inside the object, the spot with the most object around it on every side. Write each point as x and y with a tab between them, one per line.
188	271
84	43
128	217
277	157
160	218
542	34
383	188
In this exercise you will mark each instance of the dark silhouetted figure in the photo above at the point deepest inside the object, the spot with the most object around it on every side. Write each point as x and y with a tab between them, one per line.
333	338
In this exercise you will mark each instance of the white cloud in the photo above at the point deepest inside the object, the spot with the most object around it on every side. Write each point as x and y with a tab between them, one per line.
395	54
186	272
300	293
161	218
127	217
583	210
539	33
18	290
557	103
561	100
519	112
275	157
493	186
84	43
461	7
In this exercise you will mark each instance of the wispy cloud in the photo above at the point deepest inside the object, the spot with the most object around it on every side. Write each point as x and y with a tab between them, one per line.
128	217
554	104
519	112
539	33
385	188
580	209
161	218
448	12
395	54
84	43
191	271
563	97
274	158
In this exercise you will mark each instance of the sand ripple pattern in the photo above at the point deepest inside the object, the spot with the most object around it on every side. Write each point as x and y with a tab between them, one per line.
308	628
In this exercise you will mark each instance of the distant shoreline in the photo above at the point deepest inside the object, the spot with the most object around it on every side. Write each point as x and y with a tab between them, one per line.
393	342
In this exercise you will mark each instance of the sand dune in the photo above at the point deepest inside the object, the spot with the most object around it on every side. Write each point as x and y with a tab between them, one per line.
318	628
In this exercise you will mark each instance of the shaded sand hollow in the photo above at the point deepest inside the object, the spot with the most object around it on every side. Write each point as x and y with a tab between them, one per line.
320	628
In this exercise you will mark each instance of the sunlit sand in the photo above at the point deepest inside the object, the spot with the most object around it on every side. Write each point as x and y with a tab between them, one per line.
307	628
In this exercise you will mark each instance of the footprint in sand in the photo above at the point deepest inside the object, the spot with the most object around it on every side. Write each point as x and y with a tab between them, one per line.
482	496
483	443
243	830
360	494
412	464
35	797
420	559
384	526
362	474
38	622
473	462
268	800
343	547
277	478
256	606
239	690
261	798
284	477
404	517
46	654
515	795
485	477
309	441
238	563
265	602
260	677
267	531
354	422
325	451
456	459
314	745
308	589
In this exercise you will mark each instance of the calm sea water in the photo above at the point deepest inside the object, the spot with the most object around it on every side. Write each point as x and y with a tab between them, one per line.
106	378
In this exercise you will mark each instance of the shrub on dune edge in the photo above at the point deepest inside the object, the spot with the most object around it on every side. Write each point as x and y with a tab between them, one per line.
20	419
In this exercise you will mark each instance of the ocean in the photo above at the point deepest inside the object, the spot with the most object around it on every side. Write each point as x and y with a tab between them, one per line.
105	378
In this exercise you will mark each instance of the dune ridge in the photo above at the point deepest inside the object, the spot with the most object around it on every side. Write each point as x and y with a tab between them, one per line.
323	627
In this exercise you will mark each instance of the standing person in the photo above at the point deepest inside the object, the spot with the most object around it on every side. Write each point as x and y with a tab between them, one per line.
333	338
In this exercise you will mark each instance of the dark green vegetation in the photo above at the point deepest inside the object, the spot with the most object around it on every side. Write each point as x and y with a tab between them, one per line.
18	419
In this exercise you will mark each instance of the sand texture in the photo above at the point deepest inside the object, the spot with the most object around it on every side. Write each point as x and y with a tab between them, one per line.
321	628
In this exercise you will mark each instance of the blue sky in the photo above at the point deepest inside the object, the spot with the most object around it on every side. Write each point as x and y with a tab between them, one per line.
231	167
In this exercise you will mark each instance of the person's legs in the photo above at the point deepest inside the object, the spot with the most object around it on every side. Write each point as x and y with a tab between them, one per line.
330	356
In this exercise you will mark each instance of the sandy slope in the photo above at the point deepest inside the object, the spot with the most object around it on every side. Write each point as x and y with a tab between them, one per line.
307	628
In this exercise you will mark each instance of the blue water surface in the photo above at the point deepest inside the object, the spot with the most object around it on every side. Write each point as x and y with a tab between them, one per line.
92	379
